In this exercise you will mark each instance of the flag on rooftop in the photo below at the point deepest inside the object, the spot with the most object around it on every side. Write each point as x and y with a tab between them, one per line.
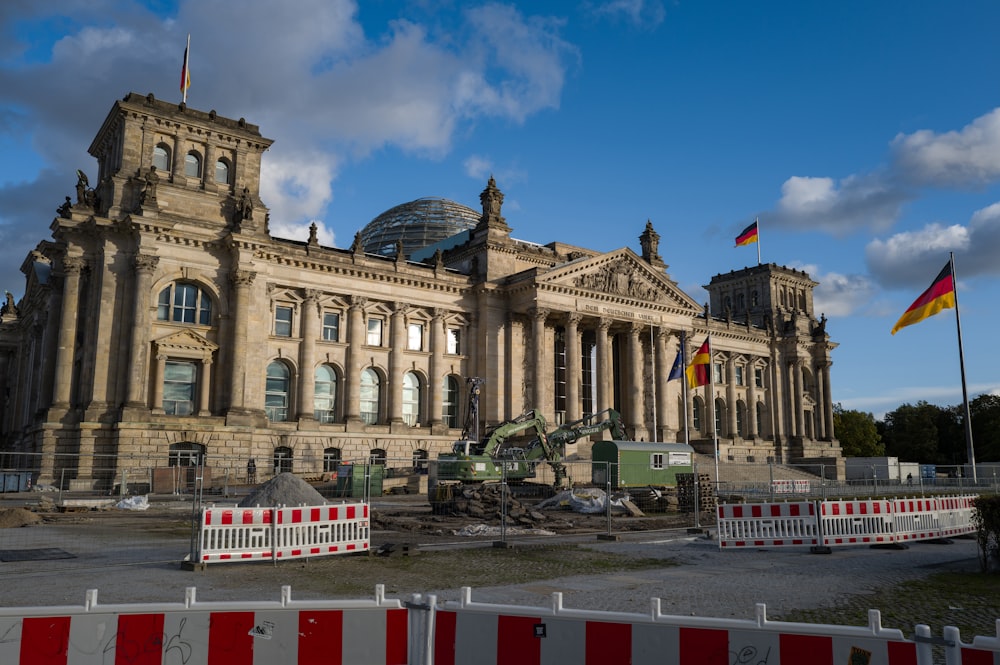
186	70
748	236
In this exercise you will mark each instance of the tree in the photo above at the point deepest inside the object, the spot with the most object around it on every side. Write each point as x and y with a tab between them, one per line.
857	433
985	411
911	433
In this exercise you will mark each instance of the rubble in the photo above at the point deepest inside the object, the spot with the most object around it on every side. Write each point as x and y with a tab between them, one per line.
285	489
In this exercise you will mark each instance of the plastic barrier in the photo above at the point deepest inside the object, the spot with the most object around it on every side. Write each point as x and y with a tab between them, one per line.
287	632
256	534
790	486
982	650
767	524
857	522
955	515
915	519
484	634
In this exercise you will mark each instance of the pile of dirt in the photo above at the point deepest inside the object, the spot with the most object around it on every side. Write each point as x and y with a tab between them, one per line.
285	489
15	517
489	502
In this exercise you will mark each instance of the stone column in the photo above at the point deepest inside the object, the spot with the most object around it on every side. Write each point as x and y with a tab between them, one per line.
179	155
796	402
573	373
636	411
777	401
307	354
205	388
395	383
664	419
539	400
138	384
438	343
827	403
356	340
604	368
751	402
72	267
161	369
241	281
731	395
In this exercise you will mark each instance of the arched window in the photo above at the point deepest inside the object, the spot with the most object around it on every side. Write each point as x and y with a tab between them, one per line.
331	459
179	381
222	172
449	402
325	395
377	456
161	158
754	299
184	303
186	454
192	165
276	395
411	399
371	388
420	458
282	460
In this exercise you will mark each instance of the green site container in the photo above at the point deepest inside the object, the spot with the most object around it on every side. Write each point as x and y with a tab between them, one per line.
639	464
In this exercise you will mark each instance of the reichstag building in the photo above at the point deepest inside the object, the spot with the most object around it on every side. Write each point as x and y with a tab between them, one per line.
162	321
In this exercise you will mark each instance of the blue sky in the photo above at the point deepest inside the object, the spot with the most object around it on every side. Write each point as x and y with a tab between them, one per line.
864	135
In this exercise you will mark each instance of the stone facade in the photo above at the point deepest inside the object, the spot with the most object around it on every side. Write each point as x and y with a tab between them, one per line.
162	319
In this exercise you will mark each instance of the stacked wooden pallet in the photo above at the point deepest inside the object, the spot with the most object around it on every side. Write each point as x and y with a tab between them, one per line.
687	490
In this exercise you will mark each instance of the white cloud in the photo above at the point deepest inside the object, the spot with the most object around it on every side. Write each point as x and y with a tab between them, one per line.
968	157
477	167
646	14
298	185
839	208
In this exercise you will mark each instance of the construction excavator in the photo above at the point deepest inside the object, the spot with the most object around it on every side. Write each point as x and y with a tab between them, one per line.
512	450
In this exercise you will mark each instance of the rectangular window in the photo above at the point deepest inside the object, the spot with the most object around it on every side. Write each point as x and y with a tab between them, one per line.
454	341
758	377
283	321
179	380
415	337
331	326
656	461
739	375
374	332
717	373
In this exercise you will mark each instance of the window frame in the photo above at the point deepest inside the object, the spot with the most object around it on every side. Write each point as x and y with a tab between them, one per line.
453	341
331	333
374	330
415	336
277	412
280	324
329	398
168	383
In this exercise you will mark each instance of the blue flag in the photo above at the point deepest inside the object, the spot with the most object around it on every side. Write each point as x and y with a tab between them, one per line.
677	371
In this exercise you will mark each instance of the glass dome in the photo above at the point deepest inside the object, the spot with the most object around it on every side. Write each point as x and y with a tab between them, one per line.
418	224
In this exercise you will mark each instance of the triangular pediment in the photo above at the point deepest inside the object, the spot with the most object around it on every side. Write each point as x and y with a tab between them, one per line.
620	274
186	343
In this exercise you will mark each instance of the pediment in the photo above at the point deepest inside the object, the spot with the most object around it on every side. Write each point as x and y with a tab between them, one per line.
186	343
620	274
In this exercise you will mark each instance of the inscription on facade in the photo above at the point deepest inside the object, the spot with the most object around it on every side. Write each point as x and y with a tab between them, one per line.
596	309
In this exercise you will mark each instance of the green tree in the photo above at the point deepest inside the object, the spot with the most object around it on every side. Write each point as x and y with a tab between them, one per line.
857	433
911	433
985	411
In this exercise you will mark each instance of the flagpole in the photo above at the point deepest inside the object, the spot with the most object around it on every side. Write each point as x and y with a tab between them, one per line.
711	396
652	353
970	448
684	391
187	51
756	221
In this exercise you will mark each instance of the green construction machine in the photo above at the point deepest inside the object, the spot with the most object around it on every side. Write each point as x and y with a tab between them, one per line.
512	450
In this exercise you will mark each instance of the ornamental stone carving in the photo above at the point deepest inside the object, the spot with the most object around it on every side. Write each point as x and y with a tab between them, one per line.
618	278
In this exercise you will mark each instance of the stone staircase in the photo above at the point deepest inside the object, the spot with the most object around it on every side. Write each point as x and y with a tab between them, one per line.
736	474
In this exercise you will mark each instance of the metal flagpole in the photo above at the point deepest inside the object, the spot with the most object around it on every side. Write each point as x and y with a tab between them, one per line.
756	220
711	396
652	353
970	448
684	390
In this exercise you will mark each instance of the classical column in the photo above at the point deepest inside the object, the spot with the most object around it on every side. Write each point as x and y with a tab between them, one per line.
635	411
161	369
604	368
145	265
664	419
751	402
398	338
796	404
205	388
356	338
731	395
72	267
179	156
573	374
829	434
777	401
307	354
539	401
438	342
241	281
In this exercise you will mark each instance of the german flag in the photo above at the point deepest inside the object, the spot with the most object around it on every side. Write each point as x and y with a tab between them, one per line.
748	236
697	371
940	295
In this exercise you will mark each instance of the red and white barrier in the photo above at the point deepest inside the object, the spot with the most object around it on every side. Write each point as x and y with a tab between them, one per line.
982	651
483	634
915	519
287	632
856	522
255	534
767	524
790	486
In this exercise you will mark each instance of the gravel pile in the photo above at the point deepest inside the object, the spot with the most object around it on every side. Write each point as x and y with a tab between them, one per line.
285	489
